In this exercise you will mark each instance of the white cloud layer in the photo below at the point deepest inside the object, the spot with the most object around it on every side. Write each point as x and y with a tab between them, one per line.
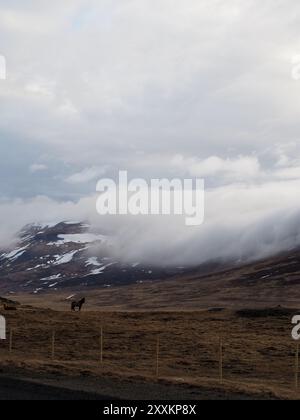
242	223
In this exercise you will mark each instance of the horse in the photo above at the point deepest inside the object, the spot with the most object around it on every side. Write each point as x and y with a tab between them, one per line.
77	304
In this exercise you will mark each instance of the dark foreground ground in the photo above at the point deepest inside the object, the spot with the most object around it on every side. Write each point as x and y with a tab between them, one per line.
61	388
21	389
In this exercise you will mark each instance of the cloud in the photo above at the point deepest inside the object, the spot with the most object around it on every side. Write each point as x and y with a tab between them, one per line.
181	78
86	175
289	173
37	167
242	167
242	223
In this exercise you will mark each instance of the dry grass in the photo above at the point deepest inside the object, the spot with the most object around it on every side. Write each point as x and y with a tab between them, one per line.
258	351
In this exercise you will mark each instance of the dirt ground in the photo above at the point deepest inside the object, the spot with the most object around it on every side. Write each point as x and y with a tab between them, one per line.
183	348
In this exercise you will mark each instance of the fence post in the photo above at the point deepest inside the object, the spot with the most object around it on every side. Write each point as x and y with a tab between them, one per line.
221	360
157	356
101	346
296	365
10	340
53	345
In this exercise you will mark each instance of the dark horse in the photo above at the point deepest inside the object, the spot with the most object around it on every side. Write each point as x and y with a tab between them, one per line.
77	304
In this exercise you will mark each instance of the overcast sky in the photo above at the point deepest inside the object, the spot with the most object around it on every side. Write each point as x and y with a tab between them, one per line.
207	88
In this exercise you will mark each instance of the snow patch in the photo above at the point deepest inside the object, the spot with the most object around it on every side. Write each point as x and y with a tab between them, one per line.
101	269
15	254
135	265
66	258
93	261
36	267
79	238
55	277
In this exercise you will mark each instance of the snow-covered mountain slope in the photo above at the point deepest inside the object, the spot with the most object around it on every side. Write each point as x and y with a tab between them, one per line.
68	254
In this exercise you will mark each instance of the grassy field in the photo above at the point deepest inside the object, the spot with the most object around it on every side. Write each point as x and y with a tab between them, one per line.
258	351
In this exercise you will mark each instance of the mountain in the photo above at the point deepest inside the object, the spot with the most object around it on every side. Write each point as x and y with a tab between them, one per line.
69	258
68	254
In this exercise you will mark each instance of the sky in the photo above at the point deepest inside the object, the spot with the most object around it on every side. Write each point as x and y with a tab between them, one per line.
160	88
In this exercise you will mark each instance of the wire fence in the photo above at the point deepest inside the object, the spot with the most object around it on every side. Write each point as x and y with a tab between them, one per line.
163	354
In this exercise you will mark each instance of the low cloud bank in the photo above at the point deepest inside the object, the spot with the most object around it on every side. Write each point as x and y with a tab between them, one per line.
242	222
